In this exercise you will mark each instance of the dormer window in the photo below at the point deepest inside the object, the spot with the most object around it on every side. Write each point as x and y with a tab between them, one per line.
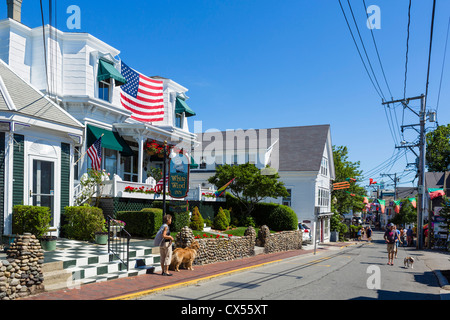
103	90
179	121
106	74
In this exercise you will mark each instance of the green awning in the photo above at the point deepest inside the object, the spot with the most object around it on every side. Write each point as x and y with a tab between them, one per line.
193	164
110	140
181	107
107	71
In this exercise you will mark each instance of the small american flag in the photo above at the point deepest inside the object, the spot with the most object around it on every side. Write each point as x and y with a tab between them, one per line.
141	95
159	186
95	153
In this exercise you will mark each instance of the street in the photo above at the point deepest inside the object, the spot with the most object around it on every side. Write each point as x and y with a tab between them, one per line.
358	271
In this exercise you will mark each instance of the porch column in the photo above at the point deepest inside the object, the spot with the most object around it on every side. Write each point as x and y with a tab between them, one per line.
141	158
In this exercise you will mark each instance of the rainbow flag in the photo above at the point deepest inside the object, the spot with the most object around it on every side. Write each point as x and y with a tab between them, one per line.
221	191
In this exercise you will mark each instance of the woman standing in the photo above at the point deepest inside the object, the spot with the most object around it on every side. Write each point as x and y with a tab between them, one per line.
164	239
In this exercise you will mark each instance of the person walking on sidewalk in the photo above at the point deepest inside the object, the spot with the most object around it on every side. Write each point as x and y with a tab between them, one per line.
390	236
369	234
164	240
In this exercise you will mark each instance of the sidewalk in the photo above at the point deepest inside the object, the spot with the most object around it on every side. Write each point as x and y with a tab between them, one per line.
132	287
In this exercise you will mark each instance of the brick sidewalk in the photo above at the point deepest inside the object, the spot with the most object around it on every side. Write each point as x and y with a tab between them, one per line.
125	288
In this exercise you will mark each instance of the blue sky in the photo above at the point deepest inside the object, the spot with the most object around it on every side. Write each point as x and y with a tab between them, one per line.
265	63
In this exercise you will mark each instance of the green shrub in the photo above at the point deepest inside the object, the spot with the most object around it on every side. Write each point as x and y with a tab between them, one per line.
144	223
33	219
283	218
179	220
83	222
196	220
221	220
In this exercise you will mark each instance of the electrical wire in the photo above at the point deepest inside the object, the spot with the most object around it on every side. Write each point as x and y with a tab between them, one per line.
442	71
359	52
407	49
45	47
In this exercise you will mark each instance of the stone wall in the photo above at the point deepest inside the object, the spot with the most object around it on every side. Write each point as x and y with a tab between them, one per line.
20	273
283	241
224	249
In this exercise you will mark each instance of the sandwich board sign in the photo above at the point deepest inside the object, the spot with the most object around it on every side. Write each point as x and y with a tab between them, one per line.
179	176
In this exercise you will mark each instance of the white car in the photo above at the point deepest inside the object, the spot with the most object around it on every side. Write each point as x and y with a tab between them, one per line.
307	236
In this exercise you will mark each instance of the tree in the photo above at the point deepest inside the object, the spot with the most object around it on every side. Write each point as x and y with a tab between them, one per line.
221	220
346	199
196	220
406	215
438	149
249	186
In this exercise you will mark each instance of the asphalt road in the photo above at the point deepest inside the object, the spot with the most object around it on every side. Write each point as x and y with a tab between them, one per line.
356	272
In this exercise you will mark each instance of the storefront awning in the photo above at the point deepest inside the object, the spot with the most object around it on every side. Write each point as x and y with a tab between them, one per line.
193	164
107	71
181	107
110	140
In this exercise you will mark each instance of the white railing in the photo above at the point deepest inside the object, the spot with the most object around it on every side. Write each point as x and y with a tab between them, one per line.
117	188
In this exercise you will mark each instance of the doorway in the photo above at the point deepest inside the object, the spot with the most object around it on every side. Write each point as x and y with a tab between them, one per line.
42	191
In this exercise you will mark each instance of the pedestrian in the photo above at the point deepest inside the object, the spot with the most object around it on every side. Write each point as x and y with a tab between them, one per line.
164	240
402	236
390	237
409	236
397	242
369	234
359	234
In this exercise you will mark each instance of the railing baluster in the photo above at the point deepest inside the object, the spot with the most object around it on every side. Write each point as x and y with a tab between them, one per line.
119	247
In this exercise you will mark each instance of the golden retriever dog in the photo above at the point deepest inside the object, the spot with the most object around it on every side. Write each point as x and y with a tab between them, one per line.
184	256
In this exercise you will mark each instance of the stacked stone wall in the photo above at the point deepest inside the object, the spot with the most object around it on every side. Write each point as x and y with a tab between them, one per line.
21	272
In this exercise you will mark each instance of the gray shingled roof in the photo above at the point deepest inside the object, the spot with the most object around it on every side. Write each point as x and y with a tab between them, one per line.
300	148
31	102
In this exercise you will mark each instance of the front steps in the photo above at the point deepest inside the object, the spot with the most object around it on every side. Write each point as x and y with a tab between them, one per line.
96	268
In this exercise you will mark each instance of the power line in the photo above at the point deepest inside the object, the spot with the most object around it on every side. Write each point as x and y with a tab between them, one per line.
359	52
443	64
407	50
376	49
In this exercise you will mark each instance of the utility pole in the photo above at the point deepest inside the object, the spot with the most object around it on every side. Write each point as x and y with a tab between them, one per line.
421	168
395	180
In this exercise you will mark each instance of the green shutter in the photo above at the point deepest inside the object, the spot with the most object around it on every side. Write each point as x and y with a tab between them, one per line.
65	176
18	169
2	182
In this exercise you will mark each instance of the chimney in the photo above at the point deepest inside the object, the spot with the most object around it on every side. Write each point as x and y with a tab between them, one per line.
14	9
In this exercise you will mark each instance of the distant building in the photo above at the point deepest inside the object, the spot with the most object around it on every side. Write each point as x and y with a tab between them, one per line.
302	155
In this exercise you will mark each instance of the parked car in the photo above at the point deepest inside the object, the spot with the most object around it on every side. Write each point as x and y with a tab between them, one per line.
307	236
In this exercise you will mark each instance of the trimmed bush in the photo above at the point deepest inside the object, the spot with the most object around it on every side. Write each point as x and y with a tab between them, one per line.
33	219
83	222
221	220
144	223
179	220
283	218
196	220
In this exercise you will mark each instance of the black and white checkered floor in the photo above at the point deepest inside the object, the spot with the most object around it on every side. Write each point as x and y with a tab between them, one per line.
92	263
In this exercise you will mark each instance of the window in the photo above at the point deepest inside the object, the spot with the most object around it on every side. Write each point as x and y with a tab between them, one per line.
287	201
203	163
110	161
130	167
324	197
324	166
76	157
103	90
178	121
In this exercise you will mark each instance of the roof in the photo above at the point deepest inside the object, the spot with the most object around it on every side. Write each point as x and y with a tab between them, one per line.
301	148
406	192
18	96
436	180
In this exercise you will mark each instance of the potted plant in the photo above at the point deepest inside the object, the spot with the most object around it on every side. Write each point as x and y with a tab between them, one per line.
116	226
152	147
48	243
101	236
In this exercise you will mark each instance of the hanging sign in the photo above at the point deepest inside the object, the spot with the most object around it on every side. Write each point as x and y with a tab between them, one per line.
178	175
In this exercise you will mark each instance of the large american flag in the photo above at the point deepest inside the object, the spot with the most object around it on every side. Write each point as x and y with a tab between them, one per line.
160	185
95	153
141	95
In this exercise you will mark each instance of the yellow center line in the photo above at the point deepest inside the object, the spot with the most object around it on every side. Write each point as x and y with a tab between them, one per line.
146	292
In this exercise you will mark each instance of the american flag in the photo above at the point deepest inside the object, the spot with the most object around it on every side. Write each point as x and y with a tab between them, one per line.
159	186
95	153
142	95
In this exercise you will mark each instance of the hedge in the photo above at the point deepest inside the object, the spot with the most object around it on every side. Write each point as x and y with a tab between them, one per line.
144	223
33	219
83	222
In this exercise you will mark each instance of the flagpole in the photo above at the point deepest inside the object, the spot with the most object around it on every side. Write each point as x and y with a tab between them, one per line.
164	178
86	152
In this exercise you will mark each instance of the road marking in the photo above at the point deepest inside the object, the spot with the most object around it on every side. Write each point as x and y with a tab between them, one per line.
146	292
